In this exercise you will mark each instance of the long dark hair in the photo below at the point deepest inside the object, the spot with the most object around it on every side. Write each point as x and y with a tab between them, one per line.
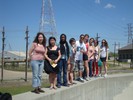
96	42
49	44
62	48
106	44
90	41
36	38
62	42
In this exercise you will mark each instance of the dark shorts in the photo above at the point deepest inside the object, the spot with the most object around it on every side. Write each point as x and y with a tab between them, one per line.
103	59
85	57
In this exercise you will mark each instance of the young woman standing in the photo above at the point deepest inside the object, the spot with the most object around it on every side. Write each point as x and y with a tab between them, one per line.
52	56
96	58
64	49
104	55
36	55
91	56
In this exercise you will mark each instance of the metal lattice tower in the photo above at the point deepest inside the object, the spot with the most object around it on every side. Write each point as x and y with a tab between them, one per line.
47	24
130	35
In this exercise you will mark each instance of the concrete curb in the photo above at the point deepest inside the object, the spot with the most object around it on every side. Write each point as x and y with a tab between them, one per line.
95	89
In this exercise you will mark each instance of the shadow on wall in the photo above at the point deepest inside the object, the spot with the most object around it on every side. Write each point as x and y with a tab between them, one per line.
99	89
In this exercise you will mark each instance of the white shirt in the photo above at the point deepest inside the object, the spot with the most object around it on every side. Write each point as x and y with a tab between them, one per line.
79	46
104	51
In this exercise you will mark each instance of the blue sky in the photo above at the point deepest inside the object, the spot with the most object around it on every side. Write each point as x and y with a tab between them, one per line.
109	18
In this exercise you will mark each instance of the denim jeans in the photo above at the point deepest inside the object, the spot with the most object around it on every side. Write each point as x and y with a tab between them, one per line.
37	70
90	67
62	65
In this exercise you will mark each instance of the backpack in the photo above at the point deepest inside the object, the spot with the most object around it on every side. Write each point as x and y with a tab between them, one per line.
5	96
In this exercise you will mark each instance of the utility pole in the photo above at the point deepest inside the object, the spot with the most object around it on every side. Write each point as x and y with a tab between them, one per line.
97	37
114	52
3	47
115	45
130	41
26	63
118	49
131	65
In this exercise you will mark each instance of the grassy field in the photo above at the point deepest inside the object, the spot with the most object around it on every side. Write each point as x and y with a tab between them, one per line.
19	87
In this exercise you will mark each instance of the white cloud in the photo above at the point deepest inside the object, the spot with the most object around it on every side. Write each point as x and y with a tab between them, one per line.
109	5
97	1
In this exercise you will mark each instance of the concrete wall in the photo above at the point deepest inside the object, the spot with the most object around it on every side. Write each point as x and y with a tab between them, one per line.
100	89
96	89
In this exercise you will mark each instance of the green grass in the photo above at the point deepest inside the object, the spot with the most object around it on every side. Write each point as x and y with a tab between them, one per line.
19	89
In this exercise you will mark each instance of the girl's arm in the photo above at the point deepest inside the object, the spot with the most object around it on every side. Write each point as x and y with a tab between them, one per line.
46	56
31	50
59	56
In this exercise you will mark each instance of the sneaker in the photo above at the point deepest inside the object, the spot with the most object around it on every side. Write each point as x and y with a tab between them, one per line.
58	86
87	78
100	75
66	85
105	75
81	79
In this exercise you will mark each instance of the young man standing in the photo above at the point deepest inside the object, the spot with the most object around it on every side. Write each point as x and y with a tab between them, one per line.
80	50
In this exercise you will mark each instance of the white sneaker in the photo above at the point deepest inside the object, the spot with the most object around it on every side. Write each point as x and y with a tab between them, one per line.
87	78
105	75
81	79
100	75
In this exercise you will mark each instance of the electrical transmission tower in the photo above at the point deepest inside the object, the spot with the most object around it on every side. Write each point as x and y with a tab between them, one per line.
130	33
47	23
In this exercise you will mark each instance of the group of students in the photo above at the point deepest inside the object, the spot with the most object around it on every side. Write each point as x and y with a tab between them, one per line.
85	55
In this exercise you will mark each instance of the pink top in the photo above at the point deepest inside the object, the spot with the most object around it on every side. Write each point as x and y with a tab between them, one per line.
87	46
38	52
91	52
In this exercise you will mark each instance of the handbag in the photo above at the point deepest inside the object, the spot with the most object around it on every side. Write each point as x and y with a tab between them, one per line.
99	63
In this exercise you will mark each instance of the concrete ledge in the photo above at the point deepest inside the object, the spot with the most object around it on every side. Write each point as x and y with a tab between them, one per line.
95	89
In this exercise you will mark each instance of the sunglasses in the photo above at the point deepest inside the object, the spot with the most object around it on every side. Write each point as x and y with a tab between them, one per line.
82	37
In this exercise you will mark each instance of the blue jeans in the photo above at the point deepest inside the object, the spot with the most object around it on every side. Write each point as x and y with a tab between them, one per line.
37	70
62	65
90	67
